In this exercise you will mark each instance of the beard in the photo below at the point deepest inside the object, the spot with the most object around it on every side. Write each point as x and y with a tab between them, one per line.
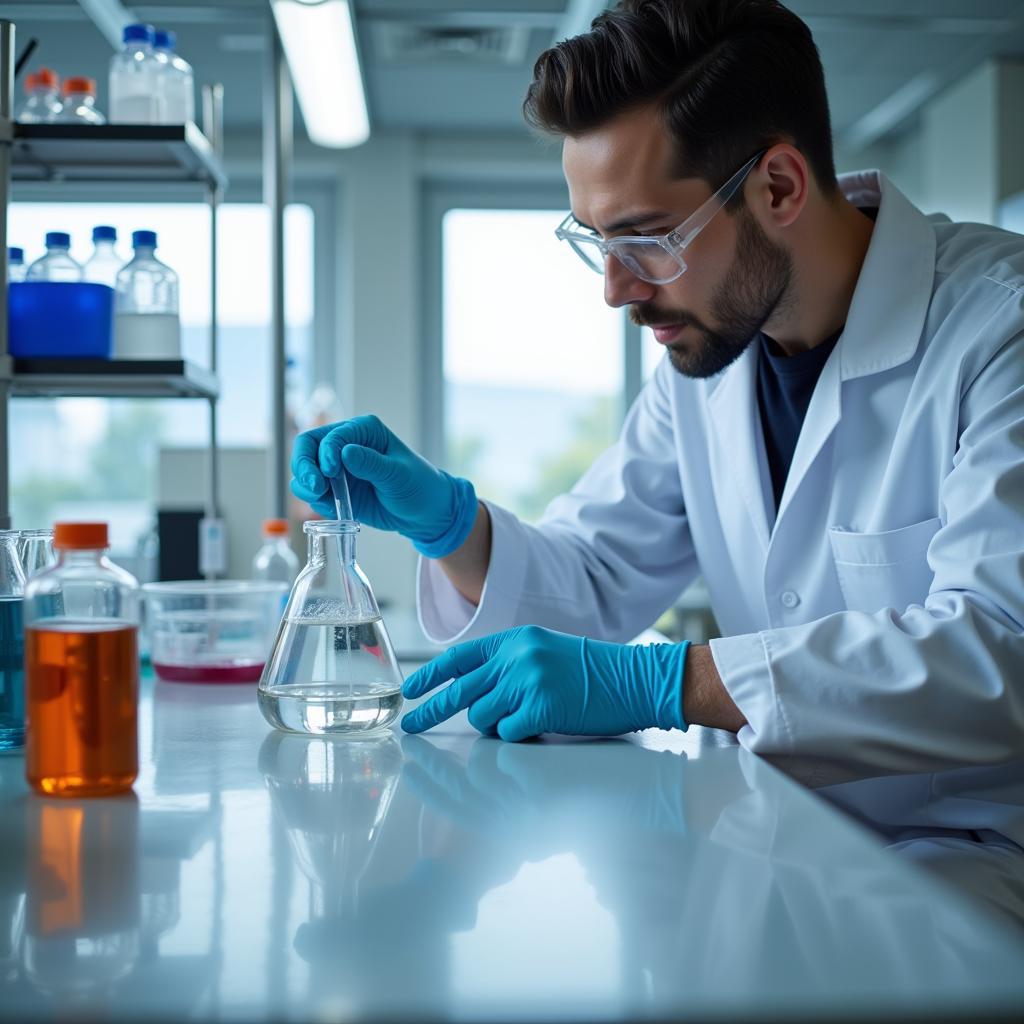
755	286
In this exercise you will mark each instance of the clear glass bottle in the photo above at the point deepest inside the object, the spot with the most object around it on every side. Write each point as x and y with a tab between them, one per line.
333	669
15	264
81	669
42	98
12	643
135	96
80	102
275	559
36	550
176	79
103	266
146	324
56	264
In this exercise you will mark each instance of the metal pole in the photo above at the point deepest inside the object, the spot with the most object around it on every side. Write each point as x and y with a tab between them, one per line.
215	563
213	105
6	139
277	142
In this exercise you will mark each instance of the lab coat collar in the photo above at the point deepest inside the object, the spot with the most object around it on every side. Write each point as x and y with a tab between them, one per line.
890	303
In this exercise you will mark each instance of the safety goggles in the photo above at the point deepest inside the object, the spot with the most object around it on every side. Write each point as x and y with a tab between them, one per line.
657	259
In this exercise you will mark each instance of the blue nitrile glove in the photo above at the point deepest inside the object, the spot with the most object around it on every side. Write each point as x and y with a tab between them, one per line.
392	487
529	680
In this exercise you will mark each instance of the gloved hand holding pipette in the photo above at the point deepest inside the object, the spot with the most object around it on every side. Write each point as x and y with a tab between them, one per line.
391	486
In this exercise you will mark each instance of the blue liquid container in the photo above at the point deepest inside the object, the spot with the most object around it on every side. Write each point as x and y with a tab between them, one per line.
12	674
60	320
12	643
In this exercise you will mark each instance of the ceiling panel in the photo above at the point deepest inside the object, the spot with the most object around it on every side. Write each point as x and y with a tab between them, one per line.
870	49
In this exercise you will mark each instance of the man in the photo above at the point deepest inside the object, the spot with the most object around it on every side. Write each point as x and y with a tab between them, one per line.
834	441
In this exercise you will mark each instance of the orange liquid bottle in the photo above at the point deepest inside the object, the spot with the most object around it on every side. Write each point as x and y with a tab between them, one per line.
81	670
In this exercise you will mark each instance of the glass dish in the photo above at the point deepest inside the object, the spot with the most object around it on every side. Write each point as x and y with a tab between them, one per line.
218	631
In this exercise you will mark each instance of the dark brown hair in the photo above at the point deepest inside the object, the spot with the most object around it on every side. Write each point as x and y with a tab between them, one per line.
730	77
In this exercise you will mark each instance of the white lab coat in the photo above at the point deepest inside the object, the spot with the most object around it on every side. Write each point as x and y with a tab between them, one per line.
877	619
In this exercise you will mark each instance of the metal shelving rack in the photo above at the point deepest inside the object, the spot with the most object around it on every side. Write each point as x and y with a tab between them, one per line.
158	154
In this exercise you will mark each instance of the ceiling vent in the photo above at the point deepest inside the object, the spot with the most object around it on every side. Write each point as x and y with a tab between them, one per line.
412	43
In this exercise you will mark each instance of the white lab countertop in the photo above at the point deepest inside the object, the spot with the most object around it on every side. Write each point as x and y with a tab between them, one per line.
258	875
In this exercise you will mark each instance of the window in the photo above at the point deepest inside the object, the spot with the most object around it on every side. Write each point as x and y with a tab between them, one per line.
96	458
532	357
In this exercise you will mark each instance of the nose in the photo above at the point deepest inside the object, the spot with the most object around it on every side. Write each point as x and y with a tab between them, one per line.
622	287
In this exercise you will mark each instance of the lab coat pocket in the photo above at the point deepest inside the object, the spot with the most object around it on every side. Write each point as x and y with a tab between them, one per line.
884	570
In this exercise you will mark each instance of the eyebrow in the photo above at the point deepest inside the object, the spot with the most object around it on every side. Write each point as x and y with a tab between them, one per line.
642	217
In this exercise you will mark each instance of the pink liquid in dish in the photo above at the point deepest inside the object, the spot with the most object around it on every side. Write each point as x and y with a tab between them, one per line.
223	672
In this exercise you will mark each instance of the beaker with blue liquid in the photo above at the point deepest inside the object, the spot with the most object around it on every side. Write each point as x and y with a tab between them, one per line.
12	643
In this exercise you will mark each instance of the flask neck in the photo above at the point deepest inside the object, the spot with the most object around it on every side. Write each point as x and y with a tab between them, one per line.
321	544
12	575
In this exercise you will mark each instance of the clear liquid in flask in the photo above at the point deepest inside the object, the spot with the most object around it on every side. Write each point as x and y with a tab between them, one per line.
331	677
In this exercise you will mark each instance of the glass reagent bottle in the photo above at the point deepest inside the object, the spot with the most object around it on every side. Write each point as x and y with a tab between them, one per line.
57	264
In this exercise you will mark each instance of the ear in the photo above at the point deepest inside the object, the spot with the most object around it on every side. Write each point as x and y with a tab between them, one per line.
780	186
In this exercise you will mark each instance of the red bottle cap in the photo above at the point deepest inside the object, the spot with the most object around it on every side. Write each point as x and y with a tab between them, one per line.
80	84
44	76
276	527
80	536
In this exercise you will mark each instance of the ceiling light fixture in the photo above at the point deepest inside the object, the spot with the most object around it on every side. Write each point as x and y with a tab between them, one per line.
319	43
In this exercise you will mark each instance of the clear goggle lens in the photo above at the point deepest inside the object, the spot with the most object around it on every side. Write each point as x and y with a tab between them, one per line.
649	261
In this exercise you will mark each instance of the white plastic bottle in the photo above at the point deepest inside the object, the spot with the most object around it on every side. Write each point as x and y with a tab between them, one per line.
146	322
103	266
176	78
135	96
15	264
80	102
56	264
42	98
275	560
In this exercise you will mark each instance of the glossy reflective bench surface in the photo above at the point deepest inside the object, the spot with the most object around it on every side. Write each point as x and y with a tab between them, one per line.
261	875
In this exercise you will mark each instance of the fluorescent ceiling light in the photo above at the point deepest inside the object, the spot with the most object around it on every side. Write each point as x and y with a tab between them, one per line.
320	45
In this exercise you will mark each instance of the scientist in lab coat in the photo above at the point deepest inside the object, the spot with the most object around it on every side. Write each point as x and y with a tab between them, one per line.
834	441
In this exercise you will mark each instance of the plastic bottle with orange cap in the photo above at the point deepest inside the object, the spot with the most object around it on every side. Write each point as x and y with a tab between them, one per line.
80	102
81	669
42	103
275	559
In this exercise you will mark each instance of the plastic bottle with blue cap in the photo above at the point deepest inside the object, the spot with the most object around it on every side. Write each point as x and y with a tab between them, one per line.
104	264
176	81
135	95
57	264
146	324
15	264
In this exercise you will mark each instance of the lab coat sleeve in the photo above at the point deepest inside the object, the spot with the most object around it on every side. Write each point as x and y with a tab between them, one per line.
604	561
925	686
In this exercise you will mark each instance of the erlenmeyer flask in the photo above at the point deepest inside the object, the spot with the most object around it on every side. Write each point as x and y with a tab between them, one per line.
36	551
332	669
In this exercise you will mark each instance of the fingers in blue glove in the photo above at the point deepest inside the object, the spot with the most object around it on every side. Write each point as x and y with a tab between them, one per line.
367	431
455	697
369	465
321	504
466	664
455	662
305	463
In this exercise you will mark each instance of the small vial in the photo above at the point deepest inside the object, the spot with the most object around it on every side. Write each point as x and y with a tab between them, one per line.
81	669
